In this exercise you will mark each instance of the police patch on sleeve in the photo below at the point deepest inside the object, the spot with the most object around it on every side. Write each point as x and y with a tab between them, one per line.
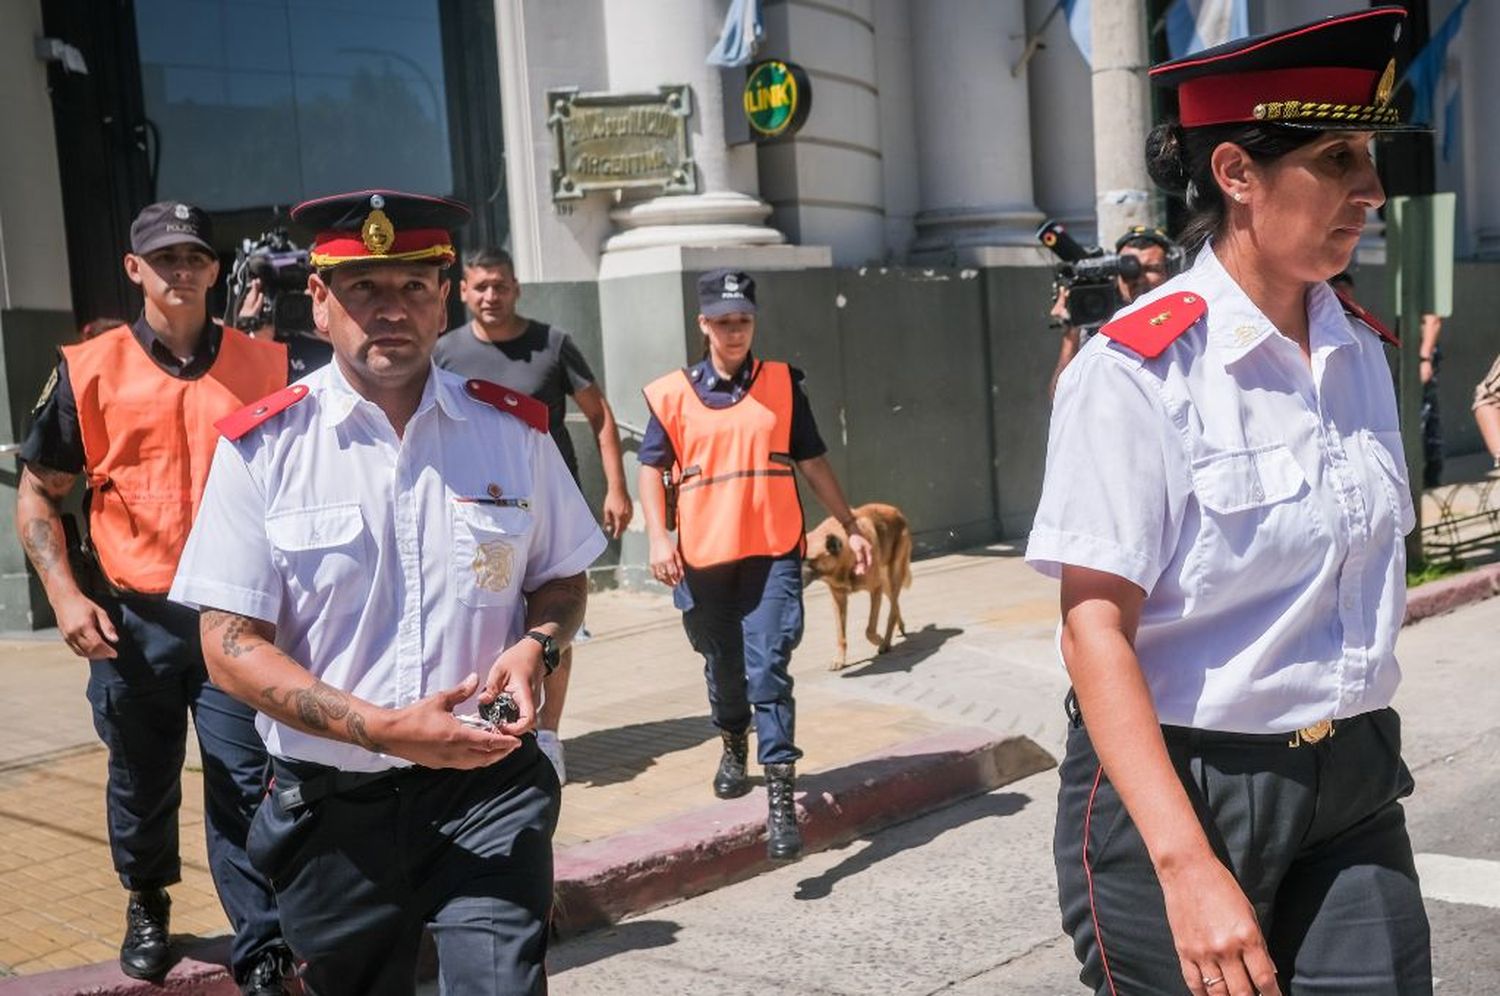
48	390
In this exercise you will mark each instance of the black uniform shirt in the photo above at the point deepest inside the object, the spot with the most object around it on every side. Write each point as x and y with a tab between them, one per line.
55	440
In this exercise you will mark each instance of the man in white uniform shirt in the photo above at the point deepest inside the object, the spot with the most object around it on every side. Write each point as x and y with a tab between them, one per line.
382	548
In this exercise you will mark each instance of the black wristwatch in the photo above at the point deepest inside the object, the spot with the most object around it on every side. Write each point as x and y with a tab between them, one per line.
551	652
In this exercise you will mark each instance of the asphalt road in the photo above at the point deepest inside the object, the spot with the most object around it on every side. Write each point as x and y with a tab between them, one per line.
961	901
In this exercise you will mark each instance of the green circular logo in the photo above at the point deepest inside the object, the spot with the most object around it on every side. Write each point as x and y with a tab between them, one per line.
777	98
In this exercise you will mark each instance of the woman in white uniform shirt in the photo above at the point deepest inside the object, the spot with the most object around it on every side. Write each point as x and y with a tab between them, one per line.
1225	502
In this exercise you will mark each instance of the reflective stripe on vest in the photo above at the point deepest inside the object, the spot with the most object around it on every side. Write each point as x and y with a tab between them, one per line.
148	442
737	494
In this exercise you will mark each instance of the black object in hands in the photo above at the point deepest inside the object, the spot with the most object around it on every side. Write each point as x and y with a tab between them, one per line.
502	710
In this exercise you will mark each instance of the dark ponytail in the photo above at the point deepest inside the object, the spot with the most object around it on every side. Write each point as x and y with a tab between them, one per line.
1178	160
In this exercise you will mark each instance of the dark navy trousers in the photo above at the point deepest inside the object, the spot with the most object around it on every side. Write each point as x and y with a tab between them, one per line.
360	868
1314	834
745	618
141	701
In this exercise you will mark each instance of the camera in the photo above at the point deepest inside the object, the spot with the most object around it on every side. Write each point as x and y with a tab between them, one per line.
1087	274
282	269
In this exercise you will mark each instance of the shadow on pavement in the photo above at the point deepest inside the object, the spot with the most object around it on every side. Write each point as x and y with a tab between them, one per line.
893	840
618	754
632	935
906	652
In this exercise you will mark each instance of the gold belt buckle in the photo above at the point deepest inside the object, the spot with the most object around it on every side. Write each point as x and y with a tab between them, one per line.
1321	730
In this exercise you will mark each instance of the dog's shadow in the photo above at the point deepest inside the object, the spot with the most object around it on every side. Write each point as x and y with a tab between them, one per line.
905	653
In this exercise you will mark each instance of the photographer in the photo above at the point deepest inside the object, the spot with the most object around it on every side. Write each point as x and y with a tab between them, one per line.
268	300
1153	250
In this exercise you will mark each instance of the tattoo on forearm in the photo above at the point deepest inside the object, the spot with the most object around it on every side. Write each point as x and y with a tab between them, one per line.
562	602
318	706
41	539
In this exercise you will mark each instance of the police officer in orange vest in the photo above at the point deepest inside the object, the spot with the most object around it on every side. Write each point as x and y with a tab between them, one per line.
133	410
728	432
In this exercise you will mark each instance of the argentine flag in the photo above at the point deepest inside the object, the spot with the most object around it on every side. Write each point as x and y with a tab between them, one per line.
1194	25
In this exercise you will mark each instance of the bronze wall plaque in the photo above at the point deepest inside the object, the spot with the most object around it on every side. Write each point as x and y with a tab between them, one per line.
613	141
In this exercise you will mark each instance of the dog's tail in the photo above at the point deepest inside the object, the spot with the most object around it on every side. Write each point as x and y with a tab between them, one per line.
902	556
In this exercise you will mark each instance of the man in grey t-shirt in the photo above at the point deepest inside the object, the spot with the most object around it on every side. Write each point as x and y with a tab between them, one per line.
498	344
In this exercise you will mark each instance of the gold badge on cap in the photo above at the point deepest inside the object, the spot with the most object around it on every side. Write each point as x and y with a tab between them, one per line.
378	233
1387	85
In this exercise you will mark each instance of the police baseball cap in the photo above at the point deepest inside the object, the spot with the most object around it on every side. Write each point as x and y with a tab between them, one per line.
726	292
170	223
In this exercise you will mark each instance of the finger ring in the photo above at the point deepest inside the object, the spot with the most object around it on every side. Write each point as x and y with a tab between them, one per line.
1213	981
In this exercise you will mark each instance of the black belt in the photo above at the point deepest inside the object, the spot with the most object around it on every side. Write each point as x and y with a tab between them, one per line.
301	784
1316	733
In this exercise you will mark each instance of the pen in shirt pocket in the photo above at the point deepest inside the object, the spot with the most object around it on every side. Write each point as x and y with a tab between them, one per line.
521	503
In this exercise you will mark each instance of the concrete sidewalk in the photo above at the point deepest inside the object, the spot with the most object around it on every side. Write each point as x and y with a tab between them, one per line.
640	747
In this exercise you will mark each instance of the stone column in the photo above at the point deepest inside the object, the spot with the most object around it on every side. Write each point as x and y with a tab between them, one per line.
1062	123
666	41
1123	192
973	133
1479	141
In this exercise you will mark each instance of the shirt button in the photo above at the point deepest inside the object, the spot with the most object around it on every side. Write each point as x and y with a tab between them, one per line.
1257	494
1348	601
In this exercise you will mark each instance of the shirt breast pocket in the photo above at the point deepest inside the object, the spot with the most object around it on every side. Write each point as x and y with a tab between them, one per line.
1261	527
489	552
324	555
1390	457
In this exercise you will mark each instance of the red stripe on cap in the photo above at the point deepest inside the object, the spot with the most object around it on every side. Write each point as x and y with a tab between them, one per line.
1213	100
1278	39
351	244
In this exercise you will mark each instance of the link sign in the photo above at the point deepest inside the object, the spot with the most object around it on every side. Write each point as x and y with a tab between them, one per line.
778	98
615	141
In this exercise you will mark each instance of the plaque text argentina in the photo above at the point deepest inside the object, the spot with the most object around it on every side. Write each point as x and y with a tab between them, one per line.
610	141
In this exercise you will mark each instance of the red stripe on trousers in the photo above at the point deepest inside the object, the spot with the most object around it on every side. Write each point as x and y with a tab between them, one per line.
1088	873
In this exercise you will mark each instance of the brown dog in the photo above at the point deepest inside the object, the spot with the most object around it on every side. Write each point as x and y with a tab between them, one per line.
828	560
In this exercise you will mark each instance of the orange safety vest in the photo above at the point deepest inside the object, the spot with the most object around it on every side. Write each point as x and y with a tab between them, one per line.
737	494
148	441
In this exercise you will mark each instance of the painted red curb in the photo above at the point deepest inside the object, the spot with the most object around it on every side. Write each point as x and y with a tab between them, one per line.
601	881
1438	597
199	972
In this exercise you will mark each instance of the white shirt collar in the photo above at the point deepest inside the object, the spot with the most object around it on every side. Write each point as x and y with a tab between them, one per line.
342	399
1236	327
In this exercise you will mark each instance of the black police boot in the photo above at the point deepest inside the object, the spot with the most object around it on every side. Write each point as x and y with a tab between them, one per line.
145	954
783	837
730	781
269	974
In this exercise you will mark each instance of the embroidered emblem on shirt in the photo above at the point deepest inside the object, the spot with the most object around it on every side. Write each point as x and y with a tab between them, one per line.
1244	334
492	565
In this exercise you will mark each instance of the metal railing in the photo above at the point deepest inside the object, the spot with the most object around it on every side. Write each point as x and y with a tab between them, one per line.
1467	520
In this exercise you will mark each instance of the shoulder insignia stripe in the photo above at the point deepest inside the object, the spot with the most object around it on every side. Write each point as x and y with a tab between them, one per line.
524	407
236	425
1151	329
1353	307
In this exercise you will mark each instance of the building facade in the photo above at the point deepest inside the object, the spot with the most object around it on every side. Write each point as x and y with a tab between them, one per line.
893	233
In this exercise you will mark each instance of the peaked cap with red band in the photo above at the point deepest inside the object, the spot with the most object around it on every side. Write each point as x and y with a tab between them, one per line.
1335	74
1150	329
381	226
234	426
522	406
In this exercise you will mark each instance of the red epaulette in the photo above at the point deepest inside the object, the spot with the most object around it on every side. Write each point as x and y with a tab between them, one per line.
236	425
522	406
1151	329
1354	308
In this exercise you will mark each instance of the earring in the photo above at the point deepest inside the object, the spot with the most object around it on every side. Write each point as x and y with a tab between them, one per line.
1239	198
